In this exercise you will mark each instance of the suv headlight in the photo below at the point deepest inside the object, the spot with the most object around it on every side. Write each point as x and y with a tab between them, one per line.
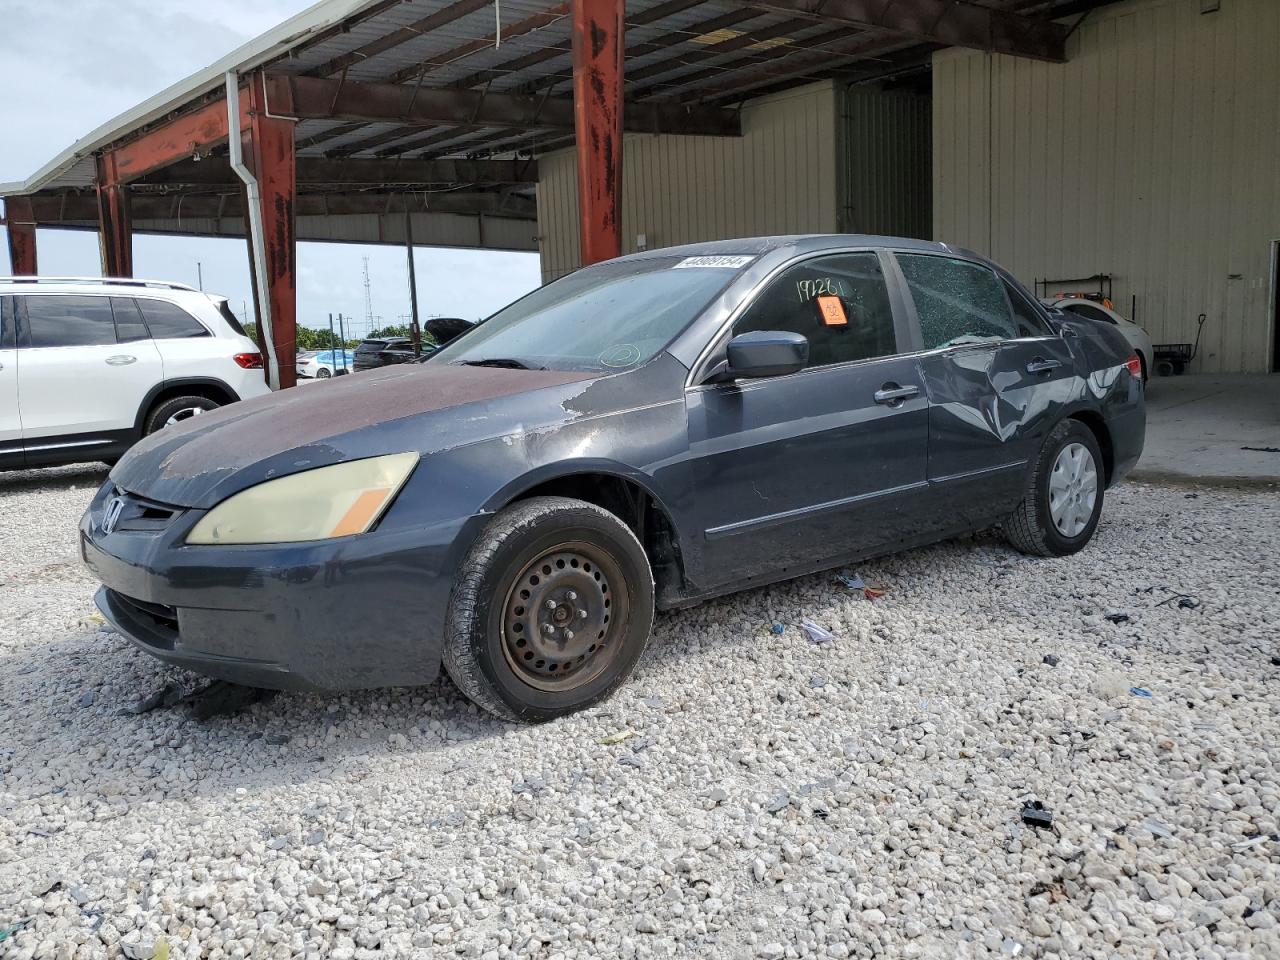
336	501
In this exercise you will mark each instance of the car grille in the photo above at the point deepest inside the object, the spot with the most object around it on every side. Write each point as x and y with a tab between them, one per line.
139	515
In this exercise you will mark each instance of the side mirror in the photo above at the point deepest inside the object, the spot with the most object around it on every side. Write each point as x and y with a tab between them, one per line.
767	353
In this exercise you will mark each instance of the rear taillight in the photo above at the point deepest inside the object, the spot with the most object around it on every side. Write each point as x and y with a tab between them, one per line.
1134	363
250	361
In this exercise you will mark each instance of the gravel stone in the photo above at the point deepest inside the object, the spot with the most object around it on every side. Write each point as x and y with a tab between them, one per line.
875	816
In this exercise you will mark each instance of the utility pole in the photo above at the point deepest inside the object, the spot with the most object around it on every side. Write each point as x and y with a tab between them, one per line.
368	296
415	331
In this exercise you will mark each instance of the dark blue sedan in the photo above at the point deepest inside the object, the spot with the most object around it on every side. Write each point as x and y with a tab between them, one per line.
644	433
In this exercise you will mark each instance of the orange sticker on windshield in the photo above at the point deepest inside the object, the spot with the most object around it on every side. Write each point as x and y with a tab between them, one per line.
832	312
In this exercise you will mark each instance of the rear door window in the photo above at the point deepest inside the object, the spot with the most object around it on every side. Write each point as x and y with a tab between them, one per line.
129	325
168	321
957	301
839	303
69	321
1028	319
8	329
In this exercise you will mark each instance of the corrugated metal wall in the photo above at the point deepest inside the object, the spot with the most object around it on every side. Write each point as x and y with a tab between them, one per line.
780	177
884	151
1153	155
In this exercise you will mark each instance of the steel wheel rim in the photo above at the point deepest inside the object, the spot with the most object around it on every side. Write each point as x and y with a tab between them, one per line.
562	618
186	413
1073	489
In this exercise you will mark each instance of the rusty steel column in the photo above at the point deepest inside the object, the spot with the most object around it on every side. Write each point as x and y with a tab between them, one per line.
597	98
21	224
115	227
274	164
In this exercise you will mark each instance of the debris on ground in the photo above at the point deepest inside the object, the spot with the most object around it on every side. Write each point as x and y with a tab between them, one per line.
615	738
1140	691
1052	659
11	929
1117	617
777	629
220	699
216	699
856	583
816	633
1157	829
167	696
1035	814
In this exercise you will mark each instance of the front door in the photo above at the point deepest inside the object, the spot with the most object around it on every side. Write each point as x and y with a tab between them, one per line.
997	377
10	413
81	383
794	472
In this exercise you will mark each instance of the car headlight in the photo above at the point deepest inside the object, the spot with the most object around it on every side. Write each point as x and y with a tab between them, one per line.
336	501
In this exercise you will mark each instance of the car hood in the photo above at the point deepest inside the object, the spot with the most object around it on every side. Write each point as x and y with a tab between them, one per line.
203	460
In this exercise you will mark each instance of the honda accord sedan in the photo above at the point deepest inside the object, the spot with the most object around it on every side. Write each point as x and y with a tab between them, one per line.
642	434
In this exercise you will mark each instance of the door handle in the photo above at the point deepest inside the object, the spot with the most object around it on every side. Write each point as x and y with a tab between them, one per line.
1043	366
892	395
121	360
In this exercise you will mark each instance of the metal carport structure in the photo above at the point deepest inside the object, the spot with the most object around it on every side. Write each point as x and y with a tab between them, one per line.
392	109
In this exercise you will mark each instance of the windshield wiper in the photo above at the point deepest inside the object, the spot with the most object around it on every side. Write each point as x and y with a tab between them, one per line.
508	363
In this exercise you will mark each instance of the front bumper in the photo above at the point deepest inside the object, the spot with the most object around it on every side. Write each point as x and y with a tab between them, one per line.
357	612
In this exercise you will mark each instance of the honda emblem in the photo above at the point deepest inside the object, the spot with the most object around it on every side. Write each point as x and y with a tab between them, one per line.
115	507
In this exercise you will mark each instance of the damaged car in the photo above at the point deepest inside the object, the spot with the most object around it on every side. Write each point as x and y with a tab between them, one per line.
640	435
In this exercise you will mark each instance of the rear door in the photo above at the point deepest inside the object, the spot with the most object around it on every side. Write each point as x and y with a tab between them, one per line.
793	472
78	375
186	346
996	379
10	413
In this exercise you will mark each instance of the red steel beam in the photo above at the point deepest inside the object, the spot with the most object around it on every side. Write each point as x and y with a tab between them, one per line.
115	227
597	95
21	223
274	164
175	139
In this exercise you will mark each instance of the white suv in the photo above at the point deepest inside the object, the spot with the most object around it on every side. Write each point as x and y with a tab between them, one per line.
89	366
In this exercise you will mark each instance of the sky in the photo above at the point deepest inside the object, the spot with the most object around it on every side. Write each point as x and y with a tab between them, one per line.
69	66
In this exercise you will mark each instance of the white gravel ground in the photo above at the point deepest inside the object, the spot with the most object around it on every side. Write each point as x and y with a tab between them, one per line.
771	798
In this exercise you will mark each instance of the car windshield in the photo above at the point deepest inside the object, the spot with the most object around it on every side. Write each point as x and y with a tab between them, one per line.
611	316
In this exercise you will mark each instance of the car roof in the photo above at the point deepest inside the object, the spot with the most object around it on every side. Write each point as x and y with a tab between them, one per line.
120	286
798	243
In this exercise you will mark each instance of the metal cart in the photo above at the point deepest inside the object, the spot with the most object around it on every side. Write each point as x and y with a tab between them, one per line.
1174	358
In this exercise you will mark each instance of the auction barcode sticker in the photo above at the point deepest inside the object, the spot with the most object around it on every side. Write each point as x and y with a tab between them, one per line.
733	262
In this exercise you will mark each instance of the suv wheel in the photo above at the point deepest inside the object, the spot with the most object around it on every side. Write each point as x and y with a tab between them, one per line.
1062	503
177	410
551	610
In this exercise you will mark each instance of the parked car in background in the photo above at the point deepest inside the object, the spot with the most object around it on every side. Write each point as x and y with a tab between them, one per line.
323	364
90	366
649	431
384	351
1134	334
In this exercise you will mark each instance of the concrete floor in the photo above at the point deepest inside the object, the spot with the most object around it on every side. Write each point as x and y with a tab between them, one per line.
1199	425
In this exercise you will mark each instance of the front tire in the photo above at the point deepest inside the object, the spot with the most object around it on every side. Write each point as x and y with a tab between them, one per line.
551	610
177	410
1062	502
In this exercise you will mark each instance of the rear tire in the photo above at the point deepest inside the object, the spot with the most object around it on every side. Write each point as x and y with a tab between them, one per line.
323	373
177	410
1062	502
550	612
